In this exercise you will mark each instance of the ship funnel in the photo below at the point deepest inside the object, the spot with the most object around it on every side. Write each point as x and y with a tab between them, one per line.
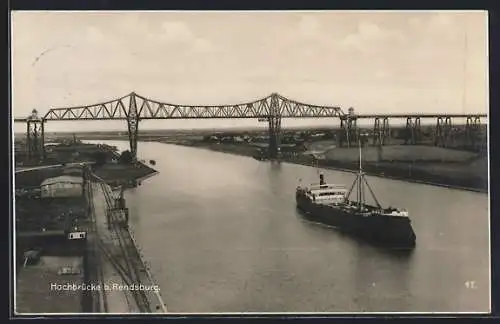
321	179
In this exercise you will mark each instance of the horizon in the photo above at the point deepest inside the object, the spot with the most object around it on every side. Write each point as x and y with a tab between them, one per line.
424	124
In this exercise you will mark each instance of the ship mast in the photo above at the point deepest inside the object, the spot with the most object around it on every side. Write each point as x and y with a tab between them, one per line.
361	191
360	182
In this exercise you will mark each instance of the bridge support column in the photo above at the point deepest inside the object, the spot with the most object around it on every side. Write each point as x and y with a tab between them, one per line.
352	131
342	133
274	120
381	133
35	137
443	131
472	128
349	132
133	125
413	130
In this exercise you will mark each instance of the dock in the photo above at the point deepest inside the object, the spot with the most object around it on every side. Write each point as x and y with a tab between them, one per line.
127	284
77	254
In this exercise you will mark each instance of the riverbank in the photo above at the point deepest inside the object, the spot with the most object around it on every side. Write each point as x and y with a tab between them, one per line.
459	172
114	174
128	175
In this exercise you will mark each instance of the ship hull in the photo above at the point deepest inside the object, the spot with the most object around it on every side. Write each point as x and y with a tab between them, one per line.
389	231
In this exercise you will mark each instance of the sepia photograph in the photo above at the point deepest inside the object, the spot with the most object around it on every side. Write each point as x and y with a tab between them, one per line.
250	162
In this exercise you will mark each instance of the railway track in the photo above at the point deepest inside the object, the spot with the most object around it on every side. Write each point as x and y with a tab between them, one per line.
127	247
117	245
100	304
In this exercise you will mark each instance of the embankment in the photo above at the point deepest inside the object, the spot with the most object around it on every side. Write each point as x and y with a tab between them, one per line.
128	175
429	165
448	175
47	231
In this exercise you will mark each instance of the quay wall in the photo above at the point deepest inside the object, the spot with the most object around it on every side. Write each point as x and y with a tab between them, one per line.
155	300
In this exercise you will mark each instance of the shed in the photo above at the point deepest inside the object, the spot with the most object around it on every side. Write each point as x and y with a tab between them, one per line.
62	186
73	167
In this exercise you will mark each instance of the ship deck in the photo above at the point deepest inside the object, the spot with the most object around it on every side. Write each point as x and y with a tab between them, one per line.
368	209
352	206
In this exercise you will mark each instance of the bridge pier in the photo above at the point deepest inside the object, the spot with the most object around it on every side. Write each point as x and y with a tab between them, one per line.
381	133
347	135
133	125
274	120
274	136
443	131
349	126
413	130
35	137
342	134
472	129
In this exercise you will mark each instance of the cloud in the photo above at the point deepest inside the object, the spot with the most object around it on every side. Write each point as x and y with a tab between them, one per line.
94	34
382	74
415	22
180	33
309	27
445	25
441	20
176	31
368	36
203	45
438	27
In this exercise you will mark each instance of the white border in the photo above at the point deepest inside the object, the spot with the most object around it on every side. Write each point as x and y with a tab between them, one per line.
264	11
487	97
357	314
13	163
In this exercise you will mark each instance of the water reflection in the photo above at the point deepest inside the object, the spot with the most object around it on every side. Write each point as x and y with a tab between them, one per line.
382	279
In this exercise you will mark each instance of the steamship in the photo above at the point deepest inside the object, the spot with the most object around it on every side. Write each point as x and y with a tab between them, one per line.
331	205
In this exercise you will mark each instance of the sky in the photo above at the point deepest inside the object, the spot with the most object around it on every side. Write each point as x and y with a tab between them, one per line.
383	62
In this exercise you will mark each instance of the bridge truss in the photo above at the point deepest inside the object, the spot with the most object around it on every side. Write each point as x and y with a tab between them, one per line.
133	108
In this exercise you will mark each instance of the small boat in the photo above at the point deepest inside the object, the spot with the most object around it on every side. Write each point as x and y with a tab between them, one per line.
152	162
331	205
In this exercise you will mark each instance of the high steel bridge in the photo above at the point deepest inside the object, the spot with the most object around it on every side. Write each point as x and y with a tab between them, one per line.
133	108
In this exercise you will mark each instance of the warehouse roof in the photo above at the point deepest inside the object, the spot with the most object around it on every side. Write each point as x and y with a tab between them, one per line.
62	179
73	171
73	167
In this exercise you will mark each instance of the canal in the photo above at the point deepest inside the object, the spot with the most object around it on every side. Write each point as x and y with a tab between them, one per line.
221	234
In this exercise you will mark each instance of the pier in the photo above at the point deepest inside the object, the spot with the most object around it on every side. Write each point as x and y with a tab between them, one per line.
119	258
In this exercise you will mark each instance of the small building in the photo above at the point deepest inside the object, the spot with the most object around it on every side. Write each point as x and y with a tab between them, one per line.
62	186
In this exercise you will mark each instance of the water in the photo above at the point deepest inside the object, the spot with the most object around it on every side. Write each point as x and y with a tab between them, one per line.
221	234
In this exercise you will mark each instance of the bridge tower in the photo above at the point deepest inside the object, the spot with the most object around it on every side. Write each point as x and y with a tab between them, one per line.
413	130
381	132
274	120
443	131
35	136
133	125
349	127
472	130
